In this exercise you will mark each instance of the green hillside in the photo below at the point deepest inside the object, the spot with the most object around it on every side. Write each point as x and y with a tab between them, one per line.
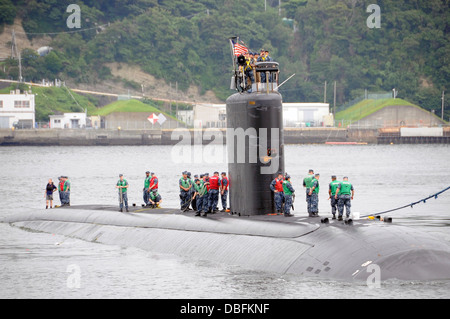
128	106
365	108
52	100
186	41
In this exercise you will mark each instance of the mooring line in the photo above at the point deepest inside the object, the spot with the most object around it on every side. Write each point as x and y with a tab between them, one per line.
424	200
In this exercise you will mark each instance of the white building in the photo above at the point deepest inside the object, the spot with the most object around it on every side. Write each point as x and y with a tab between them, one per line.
68	121
186	116
17	110
294	115
210	116
306	114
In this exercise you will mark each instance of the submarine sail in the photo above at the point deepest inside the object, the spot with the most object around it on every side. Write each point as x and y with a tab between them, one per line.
254	138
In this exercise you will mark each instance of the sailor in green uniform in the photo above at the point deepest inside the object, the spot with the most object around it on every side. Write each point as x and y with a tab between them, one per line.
345	193
185	190
201	194
332	192
146	191
64	191
314	193
122	186
288	194
307	184
154	198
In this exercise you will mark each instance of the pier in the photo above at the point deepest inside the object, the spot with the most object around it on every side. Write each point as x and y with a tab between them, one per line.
91	137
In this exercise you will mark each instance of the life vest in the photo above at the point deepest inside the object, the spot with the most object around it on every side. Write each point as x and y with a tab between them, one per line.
316	190
155	196
222	183
214	182
286	189
346	188
147	182
122	183
307	181
152	182
248	67
185	182
64	186
279	185
202	189
206	180
333	187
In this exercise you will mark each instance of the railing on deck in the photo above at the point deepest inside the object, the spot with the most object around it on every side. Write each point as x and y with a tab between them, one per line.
265	78
268	71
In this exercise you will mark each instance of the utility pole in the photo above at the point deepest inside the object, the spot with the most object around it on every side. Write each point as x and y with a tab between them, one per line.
279	8
325	93
16	53
443	99
265	5
334	100
395	93
176	94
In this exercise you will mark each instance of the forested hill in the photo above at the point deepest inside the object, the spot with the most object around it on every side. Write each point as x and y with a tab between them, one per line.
187	41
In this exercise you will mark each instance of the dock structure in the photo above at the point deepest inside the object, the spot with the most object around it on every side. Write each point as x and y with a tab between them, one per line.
104	137
421	135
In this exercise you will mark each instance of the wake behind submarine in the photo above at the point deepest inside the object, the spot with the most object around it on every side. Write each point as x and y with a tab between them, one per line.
250	237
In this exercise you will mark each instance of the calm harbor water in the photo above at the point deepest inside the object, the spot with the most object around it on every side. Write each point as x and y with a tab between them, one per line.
36	265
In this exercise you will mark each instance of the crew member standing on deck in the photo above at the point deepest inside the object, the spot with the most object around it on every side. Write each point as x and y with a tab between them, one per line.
154	184
214	182
344	193
332	192
262	58
185	188
194	192
201	194
288	193
122	186
277	187
146	190
248	70
307	181
224	191
191	192
267	56
314	193
64	190
61	189
49	190
205	203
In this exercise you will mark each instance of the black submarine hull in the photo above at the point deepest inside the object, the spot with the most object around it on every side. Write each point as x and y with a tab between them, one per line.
297	245
255	150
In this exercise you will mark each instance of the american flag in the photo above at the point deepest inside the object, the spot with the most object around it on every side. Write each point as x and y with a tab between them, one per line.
239	48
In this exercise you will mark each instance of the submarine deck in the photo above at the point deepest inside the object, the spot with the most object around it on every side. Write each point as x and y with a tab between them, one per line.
297	245
174	219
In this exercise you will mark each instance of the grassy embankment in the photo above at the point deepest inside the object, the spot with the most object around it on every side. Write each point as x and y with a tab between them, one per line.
53	100
365	108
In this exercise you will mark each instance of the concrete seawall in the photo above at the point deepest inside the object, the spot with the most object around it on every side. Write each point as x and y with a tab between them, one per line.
55	137
79	137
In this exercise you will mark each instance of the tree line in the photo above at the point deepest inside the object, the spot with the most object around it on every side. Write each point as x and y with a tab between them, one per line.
187	41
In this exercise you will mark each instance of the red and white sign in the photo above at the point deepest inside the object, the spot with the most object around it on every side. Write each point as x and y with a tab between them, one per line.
153	118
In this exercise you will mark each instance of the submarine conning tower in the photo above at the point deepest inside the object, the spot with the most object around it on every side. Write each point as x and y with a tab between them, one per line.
254	139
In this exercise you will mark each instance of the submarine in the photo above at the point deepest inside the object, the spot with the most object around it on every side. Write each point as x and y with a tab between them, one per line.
250	236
